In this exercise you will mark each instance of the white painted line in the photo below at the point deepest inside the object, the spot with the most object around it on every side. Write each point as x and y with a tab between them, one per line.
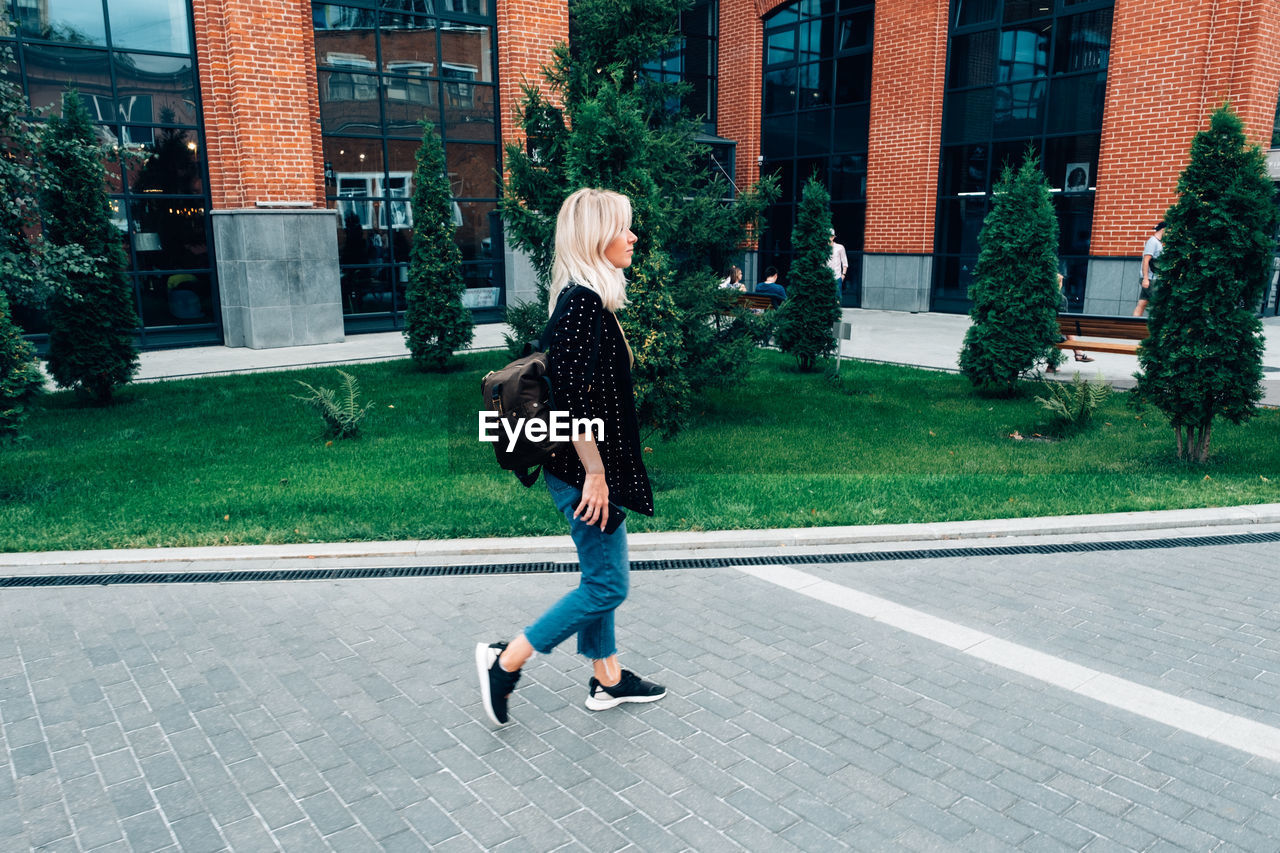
1212	724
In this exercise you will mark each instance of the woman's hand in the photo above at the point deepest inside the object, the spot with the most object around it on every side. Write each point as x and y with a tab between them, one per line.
594	507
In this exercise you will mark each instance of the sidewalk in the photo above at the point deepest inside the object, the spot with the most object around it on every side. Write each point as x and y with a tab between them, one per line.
918	340
1119	698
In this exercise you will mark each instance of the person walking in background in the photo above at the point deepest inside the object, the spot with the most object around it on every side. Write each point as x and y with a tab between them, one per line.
770	287
1062	306
1150	256
839	263
734	280
590	368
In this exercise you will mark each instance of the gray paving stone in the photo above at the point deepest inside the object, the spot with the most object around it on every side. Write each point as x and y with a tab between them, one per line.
277	808
147	832
95	826
326	813
709	808
131	798
46	824
197	834
762	810
431	823
301	836
31	759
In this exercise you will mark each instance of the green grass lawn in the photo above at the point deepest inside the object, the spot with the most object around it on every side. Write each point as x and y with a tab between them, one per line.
237	460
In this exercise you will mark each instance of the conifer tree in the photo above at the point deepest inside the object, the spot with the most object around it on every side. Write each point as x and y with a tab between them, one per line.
93	321
18	274
20	377
812	306
613	130
1015	284
436	322
1204	357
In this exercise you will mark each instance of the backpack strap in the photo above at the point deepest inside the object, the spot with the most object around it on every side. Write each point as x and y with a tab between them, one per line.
529	476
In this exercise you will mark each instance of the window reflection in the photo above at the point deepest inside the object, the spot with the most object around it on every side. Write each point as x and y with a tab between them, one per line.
150	24
72	21
382	74
177	299
816	102
1023	54
132	63
1022	73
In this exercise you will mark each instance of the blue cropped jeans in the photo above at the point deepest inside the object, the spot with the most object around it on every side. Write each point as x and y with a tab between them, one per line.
605	577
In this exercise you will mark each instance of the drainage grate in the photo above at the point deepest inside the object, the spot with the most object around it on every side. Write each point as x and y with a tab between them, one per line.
636	565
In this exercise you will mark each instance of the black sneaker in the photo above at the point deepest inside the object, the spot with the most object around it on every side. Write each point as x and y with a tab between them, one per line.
496	683
631	688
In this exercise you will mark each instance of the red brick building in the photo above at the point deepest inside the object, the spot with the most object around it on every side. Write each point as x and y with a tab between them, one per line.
286	220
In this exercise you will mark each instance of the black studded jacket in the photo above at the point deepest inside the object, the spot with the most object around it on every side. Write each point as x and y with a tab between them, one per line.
595	382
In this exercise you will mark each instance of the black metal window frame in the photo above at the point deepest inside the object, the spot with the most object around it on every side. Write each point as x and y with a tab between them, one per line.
436	90
697	44
123	201
815	105
1002	94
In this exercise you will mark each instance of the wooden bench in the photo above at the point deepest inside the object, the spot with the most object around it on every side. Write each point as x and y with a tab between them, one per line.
755	301
1082	326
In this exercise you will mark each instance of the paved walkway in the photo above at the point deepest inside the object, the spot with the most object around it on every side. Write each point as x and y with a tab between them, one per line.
952	698
921	340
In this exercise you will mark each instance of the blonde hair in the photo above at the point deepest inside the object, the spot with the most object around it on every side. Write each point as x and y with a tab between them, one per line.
588	222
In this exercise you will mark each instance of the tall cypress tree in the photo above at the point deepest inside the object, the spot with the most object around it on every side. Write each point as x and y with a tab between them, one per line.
436	321
1015	283
616	131
20	377
93	320
1204	357
812	306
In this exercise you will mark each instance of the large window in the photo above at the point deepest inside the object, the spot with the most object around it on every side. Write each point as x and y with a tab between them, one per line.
133	64
1020	74
817	101
693	59
386	66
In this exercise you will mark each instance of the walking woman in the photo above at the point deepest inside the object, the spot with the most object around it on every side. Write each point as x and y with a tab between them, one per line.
590	370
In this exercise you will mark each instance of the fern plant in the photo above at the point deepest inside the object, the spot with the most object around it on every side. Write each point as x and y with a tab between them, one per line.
341	410
1072	406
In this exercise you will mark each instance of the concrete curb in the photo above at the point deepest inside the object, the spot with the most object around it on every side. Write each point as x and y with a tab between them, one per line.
441	551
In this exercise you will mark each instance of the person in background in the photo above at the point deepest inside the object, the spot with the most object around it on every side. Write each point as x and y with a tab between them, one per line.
1062	306
770	287
839	263
734	280
1150	256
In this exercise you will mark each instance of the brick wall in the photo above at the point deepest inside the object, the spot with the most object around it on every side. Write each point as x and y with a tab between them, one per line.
741	77
907	77
527	32
1171	65
257	70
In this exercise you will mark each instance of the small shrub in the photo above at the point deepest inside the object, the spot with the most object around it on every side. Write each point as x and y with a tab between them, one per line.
436	323
804	321
341	410
526	321
1072	406
1015	284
